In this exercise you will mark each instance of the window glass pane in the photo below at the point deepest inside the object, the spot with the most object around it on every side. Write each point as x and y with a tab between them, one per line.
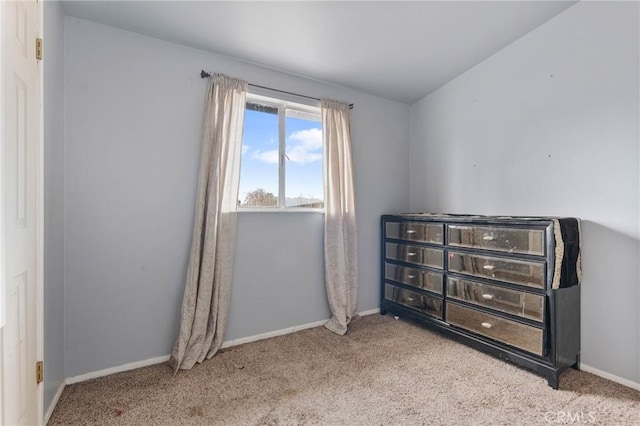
260	158
304	183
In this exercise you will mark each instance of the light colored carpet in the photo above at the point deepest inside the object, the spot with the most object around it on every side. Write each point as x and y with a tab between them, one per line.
383	372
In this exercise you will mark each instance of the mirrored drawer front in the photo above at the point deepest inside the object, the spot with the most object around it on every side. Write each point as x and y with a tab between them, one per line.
527	241
426	280
510	270
425	304
415	254
415	231
514	302
503	330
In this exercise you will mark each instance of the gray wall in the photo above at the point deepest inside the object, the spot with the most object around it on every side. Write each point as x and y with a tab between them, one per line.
549	126
53	200
278	274
133	118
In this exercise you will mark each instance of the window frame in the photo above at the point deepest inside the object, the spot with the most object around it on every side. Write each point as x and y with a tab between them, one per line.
310	107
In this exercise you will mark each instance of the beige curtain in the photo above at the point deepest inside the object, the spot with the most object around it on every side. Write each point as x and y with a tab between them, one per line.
205	306
340	251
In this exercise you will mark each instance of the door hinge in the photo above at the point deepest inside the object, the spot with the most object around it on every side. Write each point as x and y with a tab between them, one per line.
39	372
39	49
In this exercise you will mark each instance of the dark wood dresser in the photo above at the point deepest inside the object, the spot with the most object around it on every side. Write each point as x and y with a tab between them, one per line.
508	286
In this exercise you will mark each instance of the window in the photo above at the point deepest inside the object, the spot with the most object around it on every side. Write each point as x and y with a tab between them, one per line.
281	155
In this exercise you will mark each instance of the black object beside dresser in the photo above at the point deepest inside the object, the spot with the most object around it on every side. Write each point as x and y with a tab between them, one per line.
508	286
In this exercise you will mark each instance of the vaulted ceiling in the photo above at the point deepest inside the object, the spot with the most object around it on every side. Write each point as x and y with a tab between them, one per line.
396	50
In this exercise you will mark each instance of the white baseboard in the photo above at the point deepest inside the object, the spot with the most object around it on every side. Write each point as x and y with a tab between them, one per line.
369	312
117	369
282	332
270	334
609	376
54	402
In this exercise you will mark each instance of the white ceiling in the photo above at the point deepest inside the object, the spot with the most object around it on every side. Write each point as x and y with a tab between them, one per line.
397	50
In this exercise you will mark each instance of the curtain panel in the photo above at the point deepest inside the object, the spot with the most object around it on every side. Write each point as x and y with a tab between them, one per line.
205	305
340	246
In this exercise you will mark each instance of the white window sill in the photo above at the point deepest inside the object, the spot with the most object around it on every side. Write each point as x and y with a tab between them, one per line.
279	210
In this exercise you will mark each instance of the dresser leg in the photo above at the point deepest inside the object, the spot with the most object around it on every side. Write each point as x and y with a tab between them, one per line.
553	379
383	311
576	366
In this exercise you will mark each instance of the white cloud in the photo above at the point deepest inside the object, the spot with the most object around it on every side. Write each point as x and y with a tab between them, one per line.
303	146
245	149
269	157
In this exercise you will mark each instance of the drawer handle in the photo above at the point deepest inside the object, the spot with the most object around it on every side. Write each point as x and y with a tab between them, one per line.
411	253
411	231
486	325
489	267
487	296
411	276
410	299
488	238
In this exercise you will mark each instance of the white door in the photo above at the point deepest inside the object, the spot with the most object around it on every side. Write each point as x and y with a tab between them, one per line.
20	170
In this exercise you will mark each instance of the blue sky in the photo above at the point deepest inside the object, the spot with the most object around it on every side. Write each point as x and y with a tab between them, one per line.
260	156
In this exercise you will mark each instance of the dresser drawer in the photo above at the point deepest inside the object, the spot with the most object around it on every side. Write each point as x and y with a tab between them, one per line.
510	240
521	303
515	271
513	333
415	254
415	231
420	302
431	281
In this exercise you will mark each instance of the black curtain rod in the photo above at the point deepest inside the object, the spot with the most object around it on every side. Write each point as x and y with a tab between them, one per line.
204	74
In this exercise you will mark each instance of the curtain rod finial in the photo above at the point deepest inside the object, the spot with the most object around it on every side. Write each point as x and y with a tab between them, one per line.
204	74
